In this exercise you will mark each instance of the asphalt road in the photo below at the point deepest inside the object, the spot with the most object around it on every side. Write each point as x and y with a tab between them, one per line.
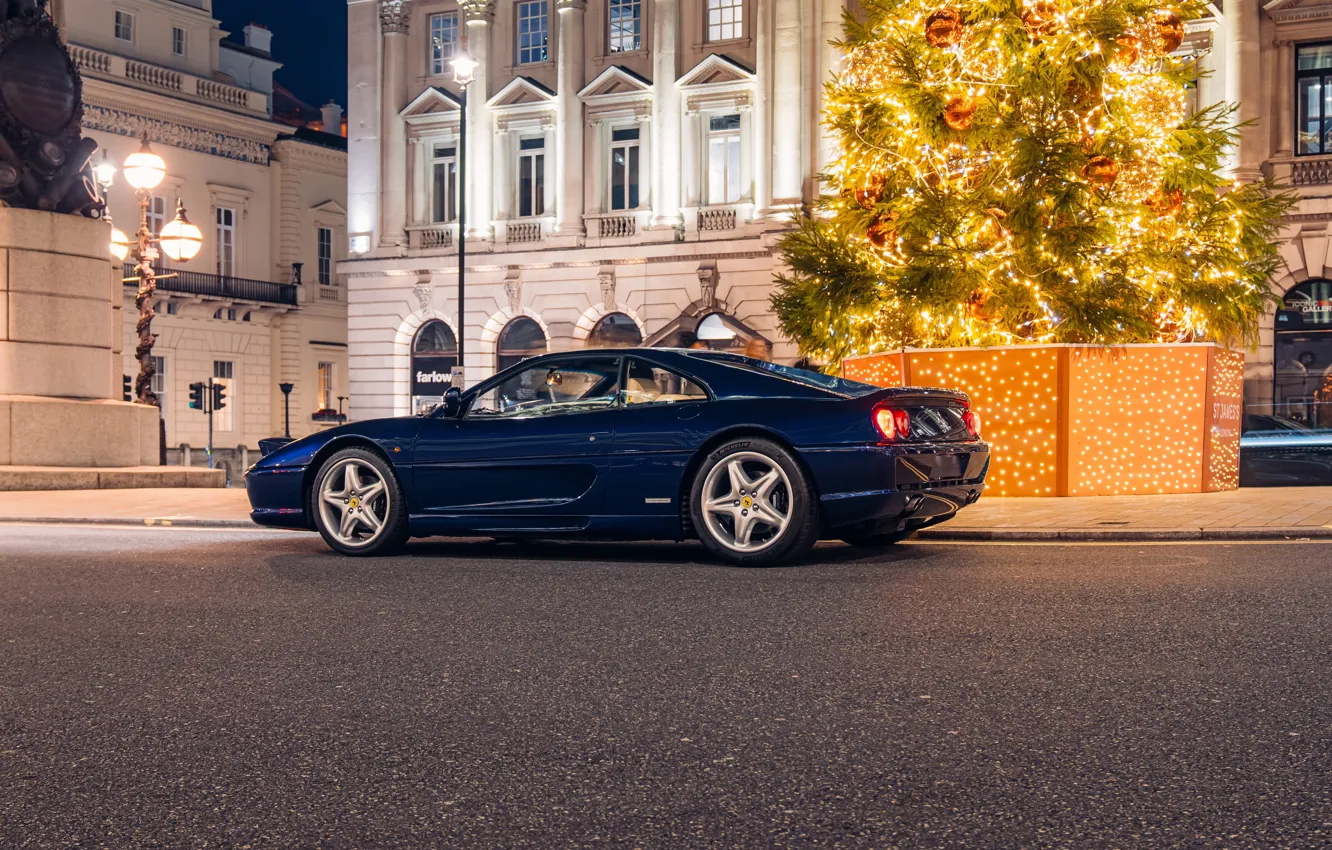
169	688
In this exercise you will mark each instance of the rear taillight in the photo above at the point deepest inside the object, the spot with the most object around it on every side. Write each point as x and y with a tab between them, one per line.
892	424
973	423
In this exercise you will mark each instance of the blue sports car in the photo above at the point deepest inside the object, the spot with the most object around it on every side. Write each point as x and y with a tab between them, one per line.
756	460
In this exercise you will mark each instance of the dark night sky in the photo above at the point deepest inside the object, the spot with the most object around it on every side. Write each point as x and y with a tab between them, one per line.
309	38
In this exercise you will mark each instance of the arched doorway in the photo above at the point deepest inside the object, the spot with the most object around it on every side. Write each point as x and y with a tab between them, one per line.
614	330
520	339
1302	355
434	354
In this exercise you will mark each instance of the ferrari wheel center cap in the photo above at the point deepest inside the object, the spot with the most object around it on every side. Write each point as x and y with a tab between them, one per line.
355	503
746	502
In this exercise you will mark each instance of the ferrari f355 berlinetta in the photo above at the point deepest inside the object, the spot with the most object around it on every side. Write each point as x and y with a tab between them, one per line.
755	459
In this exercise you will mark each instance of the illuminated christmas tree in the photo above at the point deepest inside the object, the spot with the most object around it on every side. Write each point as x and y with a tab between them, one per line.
1022	172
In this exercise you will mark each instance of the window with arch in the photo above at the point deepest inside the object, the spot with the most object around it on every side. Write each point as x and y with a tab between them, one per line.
614	330
520	339
434	354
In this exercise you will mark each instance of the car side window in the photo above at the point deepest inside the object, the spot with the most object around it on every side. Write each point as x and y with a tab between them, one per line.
646	384
576	385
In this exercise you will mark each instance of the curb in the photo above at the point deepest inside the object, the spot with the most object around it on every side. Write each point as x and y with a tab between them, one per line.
152	522
1096	535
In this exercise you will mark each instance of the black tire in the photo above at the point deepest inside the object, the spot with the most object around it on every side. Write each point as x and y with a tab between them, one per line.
877	541
801	531
394	532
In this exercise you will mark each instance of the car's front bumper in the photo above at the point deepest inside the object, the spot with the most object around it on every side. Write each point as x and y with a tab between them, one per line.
277	497
894	487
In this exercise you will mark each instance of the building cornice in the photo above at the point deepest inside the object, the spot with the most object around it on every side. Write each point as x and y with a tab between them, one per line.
305	155
1300	14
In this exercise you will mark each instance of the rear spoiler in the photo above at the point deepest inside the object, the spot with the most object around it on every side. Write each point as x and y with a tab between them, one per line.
920	396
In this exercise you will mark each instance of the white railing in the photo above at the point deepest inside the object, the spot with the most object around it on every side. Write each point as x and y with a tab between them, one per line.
1311	172
617	226
330	292
436	237
716	218
523	231
93	61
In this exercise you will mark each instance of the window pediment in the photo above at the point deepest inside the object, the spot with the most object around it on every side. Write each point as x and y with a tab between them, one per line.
523	92
717	83
434	101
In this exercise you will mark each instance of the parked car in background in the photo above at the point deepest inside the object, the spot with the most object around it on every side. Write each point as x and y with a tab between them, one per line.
756	460
1276	451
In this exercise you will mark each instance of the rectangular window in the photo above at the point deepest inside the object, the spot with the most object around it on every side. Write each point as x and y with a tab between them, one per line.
1313	99
531	177
626	25
444	184
325	386
443	41
157	214
624	169
724	159
226	242
324	241
726	19
124	26
160	384
224	373
177	41
533	31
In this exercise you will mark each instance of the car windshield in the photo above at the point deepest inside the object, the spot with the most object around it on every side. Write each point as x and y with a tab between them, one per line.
791	373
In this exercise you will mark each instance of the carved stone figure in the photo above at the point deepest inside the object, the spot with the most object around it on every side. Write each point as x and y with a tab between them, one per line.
44	162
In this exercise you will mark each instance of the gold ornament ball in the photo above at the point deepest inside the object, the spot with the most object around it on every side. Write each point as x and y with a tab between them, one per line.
1128	49
1137	181
882	231
944	28
1039	17
1101	170
1166	202
976	302
959	112
1160	104
869	192
1167	32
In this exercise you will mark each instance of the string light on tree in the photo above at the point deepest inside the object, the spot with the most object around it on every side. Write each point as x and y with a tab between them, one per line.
1025	171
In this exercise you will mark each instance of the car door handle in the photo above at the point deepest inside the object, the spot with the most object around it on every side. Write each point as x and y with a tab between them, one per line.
689	412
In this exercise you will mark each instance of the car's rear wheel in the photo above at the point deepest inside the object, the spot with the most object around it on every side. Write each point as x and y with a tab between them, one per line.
751	504
358	504
877	541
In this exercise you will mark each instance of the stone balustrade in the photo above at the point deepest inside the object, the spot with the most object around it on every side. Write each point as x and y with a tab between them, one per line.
98	63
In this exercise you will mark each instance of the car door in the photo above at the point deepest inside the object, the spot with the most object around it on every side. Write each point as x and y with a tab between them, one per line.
533	443
665	416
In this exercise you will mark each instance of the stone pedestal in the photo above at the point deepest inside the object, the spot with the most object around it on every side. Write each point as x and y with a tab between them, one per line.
60	361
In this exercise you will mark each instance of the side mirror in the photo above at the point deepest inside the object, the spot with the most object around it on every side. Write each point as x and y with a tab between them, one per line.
452	403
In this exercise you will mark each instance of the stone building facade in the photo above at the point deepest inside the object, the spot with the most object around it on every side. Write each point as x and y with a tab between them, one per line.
630	166
267	196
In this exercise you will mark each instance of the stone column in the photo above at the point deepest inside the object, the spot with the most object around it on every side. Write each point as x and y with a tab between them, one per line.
569	118
1285	98
786	103
1244	86
666	117
762	119
480	144
394	23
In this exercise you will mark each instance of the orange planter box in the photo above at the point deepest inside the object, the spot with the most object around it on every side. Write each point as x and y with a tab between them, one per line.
1083	420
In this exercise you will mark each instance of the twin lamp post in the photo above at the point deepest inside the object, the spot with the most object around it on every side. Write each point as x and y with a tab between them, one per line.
179	240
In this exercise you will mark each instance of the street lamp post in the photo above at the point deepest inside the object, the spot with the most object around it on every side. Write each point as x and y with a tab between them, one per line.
464	72
286	408
179	240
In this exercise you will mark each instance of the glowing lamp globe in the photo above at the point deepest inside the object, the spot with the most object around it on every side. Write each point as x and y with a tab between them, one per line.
464	69
105	172
144	170
181	240
119	244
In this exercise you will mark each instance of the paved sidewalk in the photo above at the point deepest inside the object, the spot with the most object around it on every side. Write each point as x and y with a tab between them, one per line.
1249	514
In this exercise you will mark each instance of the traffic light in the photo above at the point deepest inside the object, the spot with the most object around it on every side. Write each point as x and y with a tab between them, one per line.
219	396
129	392
197	396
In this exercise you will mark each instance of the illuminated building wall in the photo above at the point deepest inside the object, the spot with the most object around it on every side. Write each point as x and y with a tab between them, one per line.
1070	420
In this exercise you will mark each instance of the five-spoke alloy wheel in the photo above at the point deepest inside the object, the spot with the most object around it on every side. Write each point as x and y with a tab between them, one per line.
751	504
359	505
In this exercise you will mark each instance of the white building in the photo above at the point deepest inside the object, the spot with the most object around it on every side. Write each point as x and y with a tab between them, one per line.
631	164
267	197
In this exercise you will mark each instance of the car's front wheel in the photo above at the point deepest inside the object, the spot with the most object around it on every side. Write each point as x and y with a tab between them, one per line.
751	504
358	503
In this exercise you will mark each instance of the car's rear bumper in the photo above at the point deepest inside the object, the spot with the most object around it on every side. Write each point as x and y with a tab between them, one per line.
901	486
